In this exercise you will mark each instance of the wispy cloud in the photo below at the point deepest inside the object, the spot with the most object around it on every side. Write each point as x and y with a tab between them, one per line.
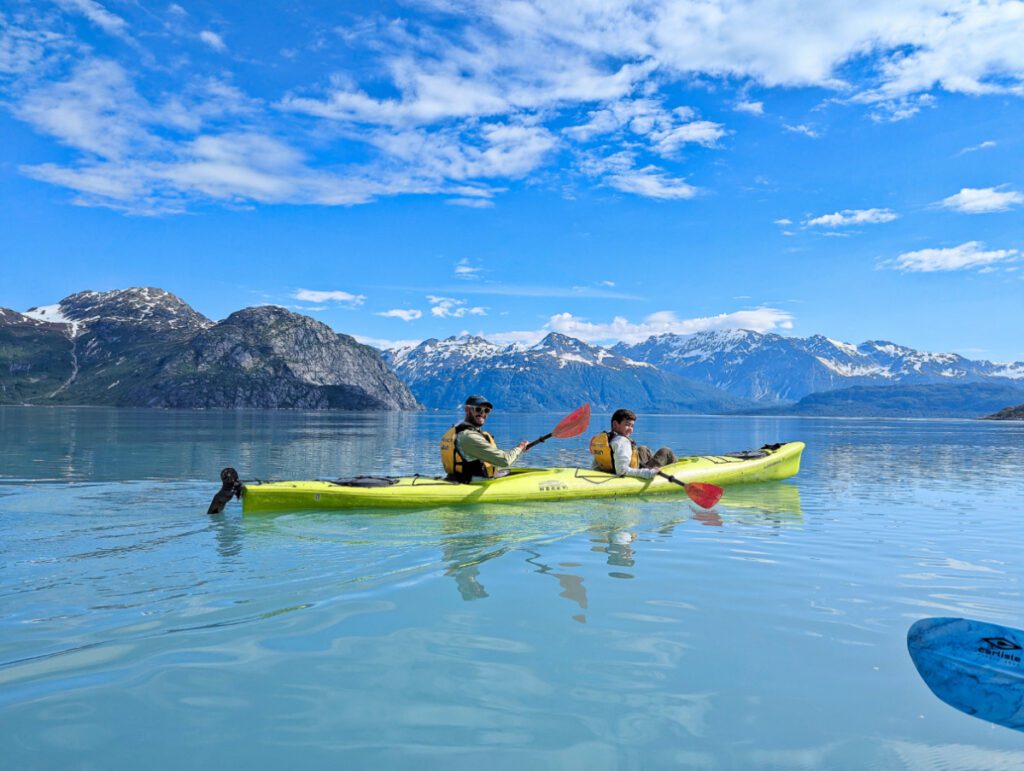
665	131
109	22
620	329
803	128
513	290
894	110
479	92
968	256
334	295
405	315
983	200
465	270
471	203
619	172
848	217
213	40
449	307
986	145
385	344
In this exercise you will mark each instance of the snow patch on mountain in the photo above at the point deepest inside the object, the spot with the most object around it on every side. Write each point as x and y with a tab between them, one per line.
1011	370
847	369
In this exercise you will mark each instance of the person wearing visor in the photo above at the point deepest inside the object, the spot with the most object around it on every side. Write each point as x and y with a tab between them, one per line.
469	453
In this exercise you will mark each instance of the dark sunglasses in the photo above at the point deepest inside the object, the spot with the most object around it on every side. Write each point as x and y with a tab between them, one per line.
484	410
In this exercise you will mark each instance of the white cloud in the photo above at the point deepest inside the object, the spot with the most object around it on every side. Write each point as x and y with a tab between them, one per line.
471	203
652	182
804	129
523	337
464	270
399	313
662	322
964	257
385	344
526	54
848	217
783	221
617	171
26	51
482	90
109	22
96	110
620	329
986	145
895	110
213	40
449	307
983	200
487	151
319	296
753	108
665	131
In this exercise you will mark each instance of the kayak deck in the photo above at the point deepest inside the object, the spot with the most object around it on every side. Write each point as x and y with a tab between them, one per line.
772	462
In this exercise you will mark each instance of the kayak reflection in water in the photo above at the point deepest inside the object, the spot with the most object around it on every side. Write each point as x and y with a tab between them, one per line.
469	453
615	451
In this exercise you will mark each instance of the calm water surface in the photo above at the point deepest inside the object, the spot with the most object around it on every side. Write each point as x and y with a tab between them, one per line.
137	632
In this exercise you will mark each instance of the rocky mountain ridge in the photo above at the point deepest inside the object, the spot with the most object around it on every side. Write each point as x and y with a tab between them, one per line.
768	367
145	347
558	370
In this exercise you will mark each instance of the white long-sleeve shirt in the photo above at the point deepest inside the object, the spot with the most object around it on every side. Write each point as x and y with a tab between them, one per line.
622	453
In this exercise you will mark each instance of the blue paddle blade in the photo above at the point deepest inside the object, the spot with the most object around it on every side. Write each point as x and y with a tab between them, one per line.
973	666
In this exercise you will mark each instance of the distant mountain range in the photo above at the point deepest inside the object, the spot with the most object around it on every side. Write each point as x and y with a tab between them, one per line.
146	347
556	372
772	368
711	372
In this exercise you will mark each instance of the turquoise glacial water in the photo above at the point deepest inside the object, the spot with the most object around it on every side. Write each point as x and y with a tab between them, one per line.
138	632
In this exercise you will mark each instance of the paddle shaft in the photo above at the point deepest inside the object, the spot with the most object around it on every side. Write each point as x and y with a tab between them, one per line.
538	441
671	478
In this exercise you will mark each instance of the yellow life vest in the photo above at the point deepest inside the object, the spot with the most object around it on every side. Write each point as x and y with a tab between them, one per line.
604	458
456	465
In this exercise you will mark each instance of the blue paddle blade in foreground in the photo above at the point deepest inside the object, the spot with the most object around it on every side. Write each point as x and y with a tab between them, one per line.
973	666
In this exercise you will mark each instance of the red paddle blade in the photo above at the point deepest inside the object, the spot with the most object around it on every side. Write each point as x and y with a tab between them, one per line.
573	424
703	494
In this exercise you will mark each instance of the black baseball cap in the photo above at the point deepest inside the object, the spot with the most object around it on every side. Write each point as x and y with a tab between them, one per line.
476	400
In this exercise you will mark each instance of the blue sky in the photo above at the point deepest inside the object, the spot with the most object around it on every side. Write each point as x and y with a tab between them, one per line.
405	170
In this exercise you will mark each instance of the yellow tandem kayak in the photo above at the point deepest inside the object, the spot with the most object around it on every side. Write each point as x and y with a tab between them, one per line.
770	463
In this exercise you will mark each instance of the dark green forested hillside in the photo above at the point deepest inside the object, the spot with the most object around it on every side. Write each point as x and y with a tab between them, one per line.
953	400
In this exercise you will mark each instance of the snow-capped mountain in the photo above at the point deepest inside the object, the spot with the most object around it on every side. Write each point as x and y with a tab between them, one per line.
157	309
558	370
146	347
768	367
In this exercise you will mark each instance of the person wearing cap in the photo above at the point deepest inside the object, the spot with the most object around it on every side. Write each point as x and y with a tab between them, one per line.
615	451
468	452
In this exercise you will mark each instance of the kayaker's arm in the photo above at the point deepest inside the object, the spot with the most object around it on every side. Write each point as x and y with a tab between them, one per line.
622	451
476	447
